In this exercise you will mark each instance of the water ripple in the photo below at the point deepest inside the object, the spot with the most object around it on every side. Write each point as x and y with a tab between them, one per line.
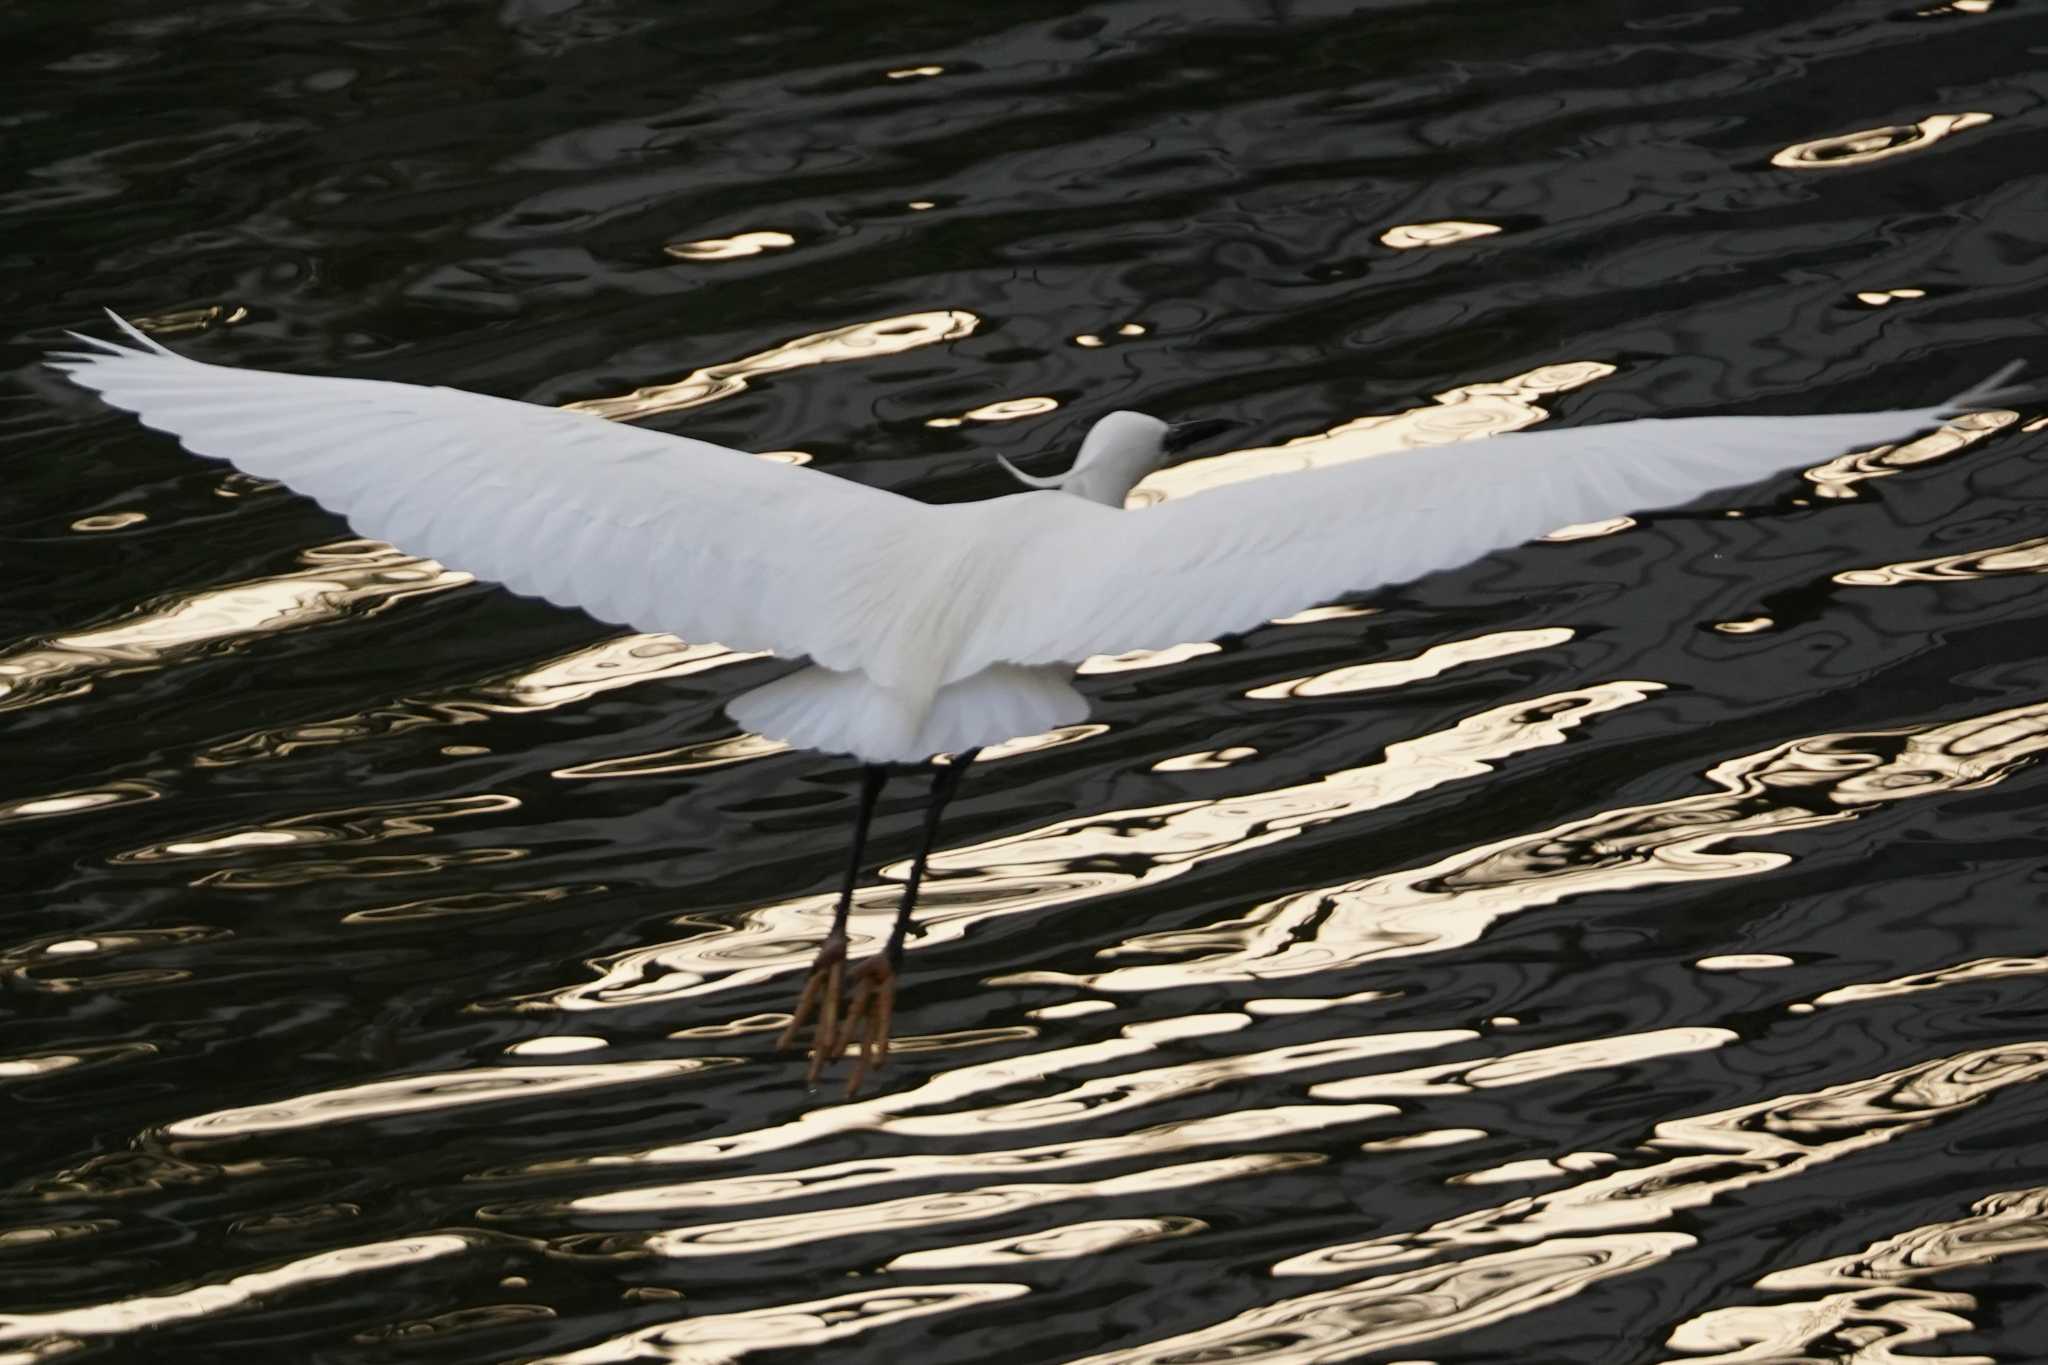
1091	857
714	1339
1801	784
1549	960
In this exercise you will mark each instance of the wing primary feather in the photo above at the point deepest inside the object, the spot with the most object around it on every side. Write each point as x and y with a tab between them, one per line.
1228	558
1990	392
663	533
141	337
100	345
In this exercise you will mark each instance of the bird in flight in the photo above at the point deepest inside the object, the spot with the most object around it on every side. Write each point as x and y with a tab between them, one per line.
930	629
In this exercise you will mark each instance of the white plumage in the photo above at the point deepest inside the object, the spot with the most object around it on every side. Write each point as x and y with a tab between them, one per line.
930	628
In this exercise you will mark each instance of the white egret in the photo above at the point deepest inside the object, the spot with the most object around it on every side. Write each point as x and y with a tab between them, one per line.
929	629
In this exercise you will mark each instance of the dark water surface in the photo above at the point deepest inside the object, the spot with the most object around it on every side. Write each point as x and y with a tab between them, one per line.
1628	948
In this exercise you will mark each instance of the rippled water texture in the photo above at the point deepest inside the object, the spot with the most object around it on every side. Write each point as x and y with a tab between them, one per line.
1627	948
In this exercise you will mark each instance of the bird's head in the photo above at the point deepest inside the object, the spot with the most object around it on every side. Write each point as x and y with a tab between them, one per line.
1119	450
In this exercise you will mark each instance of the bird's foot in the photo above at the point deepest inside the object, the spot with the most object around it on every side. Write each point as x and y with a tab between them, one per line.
868	1015
821	996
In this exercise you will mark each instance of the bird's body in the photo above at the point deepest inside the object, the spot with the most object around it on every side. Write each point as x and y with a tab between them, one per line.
928	629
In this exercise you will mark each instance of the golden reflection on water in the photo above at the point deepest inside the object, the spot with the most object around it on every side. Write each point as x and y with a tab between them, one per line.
1870	1311
125	1316
1697	1160
467	903
1090	340
1742	962
369	867
1137	660
1055	738
78	801
110	521
352	578
441	1090
1072	1009
348	827
575	677
1052	1244
1800	784
1204	760
689	758
54	966
1309	1004
1233	1128
1460	414
1449	232
1539	1249
1408	1306
556	1045
1533	1168
1008	410
1429	1137
1838	477
585	673
736	1028
40	1234
956	1039
1429	663
731	248
1083	859
866	1114
727	1338
1962	973
419	1331
191	319
2021	557
1589	530
1534	1064
751	1235
898	1112
1875	144
1315	615
859	341
1122	1092
22	1068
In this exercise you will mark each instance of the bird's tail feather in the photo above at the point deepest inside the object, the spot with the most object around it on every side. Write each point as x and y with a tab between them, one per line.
820	708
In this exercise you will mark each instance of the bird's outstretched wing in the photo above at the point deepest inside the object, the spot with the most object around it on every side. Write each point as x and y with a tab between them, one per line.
659	532
1097	579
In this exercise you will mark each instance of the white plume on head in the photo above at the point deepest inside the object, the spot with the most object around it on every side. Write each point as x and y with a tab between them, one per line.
1032	480
1119	450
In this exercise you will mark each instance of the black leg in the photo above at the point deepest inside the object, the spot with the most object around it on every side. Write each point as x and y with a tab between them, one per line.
945	783
873	1004
823	986
873	777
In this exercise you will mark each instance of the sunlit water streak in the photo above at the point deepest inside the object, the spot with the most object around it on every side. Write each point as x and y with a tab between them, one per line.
1802	784
1557	1244
349	579
864	340
1863	1303
137	1314
1089	858
818	1322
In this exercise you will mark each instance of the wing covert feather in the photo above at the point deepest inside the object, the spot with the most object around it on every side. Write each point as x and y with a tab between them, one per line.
1234	557
658	532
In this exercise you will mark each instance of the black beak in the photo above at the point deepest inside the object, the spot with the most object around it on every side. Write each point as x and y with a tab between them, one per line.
1181	435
